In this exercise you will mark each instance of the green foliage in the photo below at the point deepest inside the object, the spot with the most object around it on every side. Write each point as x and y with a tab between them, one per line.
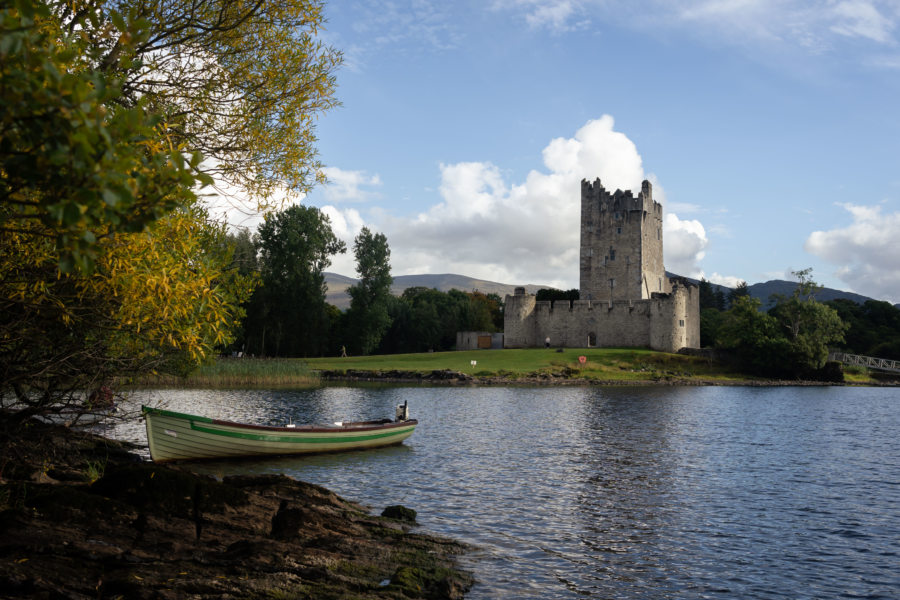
368	317
78	162
241	82
753	336
287	315
874	327
792	340
711	319
424	320
740	291
114	114
707	295
554	294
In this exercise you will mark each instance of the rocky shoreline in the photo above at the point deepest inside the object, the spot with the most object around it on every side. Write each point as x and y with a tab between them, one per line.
82	517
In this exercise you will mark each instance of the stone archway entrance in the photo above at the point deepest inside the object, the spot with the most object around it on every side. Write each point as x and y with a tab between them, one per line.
592	339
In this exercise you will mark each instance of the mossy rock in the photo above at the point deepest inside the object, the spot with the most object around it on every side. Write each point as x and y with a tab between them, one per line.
399	513
429	582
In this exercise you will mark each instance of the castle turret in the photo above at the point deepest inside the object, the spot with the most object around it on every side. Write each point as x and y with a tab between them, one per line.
621	244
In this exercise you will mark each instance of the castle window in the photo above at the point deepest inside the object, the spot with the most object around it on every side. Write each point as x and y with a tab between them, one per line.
660	284
618	216
681	322
618	230
590	251
658	233
612	253
612	283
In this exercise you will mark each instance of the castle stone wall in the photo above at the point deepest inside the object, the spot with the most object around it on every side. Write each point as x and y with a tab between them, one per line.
661	323
626	298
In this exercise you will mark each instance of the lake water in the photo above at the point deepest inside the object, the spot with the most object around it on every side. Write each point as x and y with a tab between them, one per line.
619	492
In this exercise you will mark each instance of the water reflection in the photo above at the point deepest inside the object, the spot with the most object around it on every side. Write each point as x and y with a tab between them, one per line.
619	492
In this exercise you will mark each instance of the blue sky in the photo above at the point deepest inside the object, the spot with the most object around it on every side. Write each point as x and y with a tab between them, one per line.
770	130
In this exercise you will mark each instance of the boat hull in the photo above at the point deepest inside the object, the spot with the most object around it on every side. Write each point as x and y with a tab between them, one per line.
177	436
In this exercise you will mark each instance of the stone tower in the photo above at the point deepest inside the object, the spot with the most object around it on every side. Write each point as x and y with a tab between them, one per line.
621	244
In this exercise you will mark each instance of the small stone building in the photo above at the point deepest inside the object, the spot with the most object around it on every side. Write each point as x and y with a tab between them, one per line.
626	297
478	340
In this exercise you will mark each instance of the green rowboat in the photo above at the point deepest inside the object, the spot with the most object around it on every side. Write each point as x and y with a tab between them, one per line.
178	436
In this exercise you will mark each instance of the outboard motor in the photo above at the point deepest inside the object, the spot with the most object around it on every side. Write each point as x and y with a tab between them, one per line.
403	411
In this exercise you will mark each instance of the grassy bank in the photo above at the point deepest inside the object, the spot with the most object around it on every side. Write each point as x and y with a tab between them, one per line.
602	364
241	372
612	365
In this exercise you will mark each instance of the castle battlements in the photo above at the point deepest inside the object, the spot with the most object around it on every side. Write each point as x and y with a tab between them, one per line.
626	297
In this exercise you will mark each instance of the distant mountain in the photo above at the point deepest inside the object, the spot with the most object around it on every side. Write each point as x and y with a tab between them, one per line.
338	284
764	292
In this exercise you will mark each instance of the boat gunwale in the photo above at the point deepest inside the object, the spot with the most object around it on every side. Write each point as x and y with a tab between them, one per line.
314	428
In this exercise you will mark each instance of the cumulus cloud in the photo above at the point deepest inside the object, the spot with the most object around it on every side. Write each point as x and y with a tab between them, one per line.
528	232
684	245
726	280
345	186
487	227
865	252
346	224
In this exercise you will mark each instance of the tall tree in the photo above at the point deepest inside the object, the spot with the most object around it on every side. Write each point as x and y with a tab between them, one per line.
809	325
108	265
791	340
707	295
740	291
754	336
241	82
114	113
295	248
368	317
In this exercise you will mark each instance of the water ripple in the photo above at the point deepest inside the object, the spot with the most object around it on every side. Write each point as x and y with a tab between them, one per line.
621	492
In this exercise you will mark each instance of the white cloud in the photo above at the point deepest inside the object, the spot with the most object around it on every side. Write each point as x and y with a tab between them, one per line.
528	232
554	14
345	186
346	224
726	280
865	251
684	246
858	18
759	26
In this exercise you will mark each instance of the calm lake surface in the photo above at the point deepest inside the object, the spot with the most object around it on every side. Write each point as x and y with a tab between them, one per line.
607	492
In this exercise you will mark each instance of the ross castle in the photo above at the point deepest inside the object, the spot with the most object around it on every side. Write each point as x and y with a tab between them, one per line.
626	298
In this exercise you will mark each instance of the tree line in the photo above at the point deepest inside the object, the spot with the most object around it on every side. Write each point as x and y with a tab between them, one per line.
287	314
793	337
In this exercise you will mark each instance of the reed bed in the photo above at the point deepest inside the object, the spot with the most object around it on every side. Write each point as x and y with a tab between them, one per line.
241	372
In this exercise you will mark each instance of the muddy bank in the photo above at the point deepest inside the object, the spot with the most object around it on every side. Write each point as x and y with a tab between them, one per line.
84	518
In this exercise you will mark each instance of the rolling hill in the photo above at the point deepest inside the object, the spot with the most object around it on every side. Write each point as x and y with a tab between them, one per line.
338	284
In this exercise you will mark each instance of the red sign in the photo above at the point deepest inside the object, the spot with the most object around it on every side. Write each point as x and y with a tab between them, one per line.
582	359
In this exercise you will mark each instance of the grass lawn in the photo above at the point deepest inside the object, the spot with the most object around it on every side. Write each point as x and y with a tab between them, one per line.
607	364
623	365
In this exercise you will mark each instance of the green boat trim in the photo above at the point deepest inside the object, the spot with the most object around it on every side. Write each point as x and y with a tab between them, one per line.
260	437
171	413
